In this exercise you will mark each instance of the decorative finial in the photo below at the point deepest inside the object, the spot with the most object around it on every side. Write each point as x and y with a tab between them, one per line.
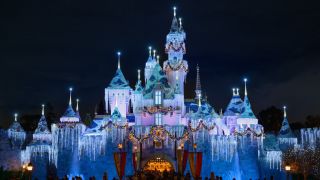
77	108
180	22
158	59
284	111
119	54
42	112
139	74
237	91
70	98
16	117
174	11
233	91
154	54
150	51
245	86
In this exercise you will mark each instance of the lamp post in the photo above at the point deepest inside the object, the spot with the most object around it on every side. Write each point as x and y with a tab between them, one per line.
120	147
195	147
29	168
288	169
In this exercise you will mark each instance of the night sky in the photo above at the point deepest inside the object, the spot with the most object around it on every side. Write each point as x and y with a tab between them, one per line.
48	46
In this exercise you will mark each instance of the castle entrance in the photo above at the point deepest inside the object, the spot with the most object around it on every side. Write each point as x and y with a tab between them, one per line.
158	163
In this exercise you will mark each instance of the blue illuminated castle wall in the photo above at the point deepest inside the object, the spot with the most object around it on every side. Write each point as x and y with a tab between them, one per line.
235	147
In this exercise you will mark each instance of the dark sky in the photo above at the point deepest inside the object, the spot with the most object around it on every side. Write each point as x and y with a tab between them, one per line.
47	46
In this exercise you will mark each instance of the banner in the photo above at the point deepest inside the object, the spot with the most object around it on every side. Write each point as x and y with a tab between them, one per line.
182	159
195	168
136	160
120	163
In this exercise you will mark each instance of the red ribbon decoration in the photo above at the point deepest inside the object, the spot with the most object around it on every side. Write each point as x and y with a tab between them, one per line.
195	165
198	164
184	160
120	163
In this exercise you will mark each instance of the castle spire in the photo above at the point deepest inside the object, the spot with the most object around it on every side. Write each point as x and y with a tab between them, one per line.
15	117
77	108
174	25
139	74
198	86
237	91
245	86
119	54
284	111
233	91
180	23
70	98
150	51
154	54
42	112
158	59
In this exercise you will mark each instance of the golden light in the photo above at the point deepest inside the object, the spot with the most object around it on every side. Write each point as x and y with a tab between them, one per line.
120	146
287	168
30	167
195	145
135	148
24	166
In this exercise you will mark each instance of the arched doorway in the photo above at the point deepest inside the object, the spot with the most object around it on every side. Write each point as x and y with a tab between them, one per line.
158	163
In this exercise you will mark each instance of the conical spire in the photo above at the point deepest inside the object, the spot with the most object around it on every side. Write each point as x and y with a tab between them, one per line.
284	112
42	111
285	131
158	59
15	117
77	108
154	54
138	87
70	97
174	25
245	86
119	55
180	23
198	83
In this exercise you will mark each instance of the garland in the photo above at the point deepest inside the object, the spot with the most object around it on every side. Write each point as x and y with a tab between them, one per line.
158	109
170	46
201	125
181	65
249	131
110	123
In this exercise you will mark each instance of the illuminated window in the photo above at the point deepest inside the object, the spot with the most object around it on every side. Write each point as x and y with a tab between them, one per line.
157	97
158	119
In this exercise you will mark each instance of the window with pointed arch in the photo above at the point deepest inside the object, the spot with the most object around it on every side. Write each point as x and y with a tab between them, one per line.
157	98
158	118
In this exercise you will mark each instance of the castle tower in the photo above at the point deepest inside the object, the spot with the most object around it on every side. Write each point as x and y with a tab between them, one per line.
118	92
150	64
175	48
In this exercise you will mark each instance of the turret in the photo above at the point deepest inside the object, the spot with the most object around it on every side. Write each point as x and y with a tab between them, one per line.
175	48
70	115
119	90
150	64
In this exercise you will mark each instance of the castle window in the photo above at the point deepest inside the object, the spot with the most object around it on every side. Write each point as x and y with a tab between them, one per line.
157	98
158	119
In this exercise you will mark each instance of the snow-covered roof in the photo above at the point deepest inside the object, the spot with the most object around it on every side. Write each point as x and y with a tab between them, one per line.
246	109
70	112
16	127
285	131
206	111
138	87
42	126
158	78
235	106
119	81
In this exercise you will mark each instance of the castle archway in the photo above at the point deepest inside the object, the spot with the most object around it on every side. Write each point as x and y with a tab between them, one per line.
159	162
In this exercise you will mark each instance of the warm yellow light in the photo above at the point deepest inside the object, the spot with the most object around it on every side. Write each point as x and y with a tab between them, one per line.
120	146
195	145
23	166
29	167
287	168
